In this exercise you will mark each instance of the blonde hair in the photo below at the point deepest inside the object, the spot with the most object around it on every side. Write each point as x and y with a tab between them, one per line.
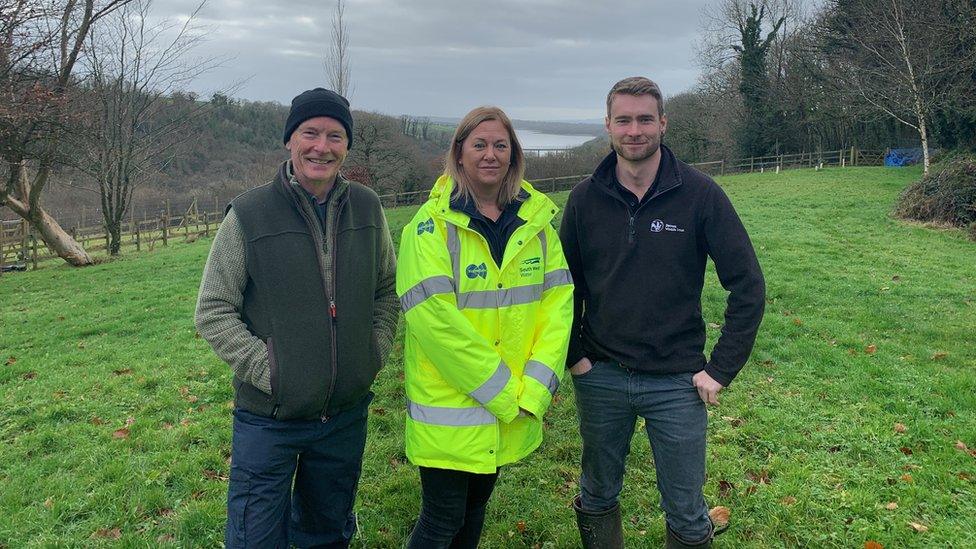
511	183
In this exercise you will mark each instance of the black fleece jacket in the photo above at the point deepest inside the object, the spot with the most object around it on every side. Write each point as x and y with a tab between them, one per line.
639	275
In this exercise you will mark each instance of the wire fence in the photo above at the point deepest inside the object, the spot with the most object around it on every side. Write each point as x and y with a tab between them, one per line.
157	224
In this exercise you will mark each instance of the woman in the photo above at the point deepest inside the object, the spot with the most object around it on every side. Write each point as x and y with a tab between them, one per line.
488	302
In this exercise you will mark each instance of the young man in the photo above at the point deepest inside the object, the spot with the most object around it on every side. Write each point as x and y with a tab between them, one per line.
637	234
299	298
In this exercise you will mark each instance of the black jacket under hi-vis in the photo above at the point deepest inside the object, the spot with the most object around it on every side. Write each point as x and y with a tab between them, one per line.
639	275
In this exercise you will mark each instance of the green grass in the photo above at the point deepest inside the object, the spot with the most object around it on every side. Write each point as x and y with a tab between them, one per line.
804	442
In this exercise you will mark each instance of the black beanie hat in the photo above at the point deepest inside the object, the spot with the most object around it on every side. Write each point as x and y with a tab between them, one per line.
318	102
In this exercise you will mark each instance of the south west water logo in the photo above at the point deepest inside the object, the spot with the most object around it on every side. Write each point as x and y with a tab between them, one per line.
474	271
425	226
532	261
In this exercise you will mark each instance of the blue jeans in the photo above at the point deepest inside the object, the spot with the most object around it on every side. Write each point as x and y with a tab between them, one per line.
322	459
609	398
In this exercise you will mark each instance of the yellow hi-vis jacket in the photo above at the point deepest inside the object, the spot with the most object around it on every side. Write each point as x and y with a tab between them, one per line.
482	342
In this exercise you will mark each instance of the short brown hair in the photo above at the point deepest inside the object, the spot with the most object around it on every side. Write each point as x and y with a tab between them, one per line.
637	85
511	184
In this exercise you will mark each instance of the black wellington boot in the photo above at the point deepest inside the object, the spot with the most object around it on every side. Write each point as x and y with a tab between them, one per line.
599	529
672	541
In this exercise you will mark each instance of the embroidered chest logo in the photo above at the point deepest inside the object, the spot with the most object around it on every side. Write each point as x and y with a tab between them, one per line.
425	227
530	266
657	226
474	271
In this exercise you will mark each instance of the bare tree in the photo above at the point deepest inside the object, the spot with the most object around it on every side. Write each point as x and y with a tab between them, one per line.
902	58
135	128
337	58
41	44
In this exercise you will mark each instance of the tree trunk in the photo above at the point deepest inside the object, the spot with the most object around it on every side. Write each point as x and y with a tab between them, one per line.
923	134
57	240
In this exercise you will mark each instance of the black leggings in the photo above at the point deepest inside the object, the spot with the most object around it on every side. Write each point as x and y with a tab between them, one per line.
453	510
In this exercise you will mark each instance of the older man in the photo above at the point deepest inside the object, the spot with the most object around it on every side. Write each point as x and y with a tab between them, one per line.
637	234
298	297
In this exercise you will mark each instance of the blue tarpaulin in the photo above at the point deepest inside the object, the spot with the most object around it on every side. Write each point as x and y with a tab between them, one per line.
903	157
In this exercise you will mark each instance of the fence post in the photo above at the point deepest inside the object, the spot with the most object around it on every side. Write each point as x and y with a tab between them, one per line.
33	240
2	234
206	223
752	164
138	243
165	224
722	166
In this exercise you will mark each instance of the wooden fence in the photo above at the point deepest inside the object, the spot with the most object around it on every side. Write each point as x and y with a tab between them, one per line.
20	248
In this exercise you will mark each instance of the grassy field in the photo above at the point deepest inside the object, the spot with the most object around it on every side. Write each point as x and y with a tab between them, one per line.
855	419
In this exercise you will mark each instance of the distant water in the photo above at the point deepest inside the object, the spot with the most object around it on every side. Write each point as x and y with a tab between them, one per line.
537	140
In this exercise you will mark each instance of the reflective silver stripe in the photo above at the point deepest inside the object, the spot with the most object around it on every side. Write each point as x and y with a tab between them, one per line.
559	277
454	417
495	384
424	289
545	249
543	374
454	248
493	299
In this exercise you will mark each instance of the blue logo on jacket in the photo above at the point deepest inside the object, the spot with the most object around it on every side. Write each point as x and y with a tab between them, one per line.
474	271
425	226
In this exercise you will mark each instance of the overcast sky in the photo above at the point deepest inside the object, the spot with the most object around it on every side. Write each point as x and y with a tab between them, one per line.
537	59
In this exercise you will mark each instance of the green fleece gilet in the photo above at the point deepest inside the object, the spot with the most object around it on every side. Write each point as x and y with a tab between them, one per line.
322	349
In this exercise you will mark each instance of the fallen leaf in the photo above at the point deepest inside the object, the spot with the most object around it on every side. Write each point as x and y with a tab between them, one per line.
885	288
907	477
185	391
896	278
852	352
192	399
184	422
871	349
97	421
167	425
939	355
900	428
964	476
798	322
49	503
129	421
891	506
214	475
906	450
918	527
871	544
762	477
833	449
165	538
81	344
960	445
122	372
520	526
121	433
720	516
734	421
106	533
379	411
725	488
11	360
30	375
788	500
61	318
203	407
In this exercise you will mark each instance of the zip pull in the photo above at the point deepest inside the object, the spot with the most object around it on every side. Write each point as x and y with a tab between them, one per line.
332	308
632	232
